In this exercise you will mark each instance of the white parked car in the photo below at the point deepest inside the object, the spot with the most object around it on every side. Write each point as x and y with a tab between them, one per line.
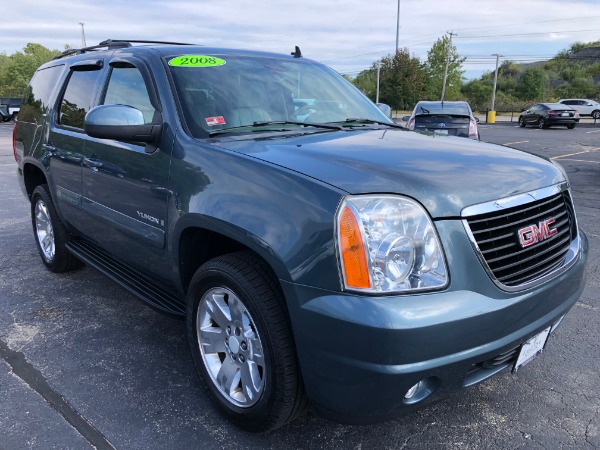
585	106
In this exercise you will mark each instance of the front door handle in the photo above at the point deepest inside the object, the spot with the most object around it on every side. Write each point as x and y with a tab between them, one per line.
92	163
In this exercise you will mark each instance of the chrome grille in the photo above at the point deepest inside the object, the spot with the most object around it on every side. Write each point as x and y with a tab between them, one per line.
497	238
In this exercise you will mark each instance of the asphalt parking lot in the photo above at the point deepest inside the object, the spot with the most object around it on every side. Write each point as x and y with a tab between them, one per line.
83	364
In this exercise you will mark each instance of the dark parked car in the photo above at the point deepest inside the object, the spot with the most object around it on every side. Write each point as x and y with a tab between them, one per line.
448	118
544	115
4	115
318	251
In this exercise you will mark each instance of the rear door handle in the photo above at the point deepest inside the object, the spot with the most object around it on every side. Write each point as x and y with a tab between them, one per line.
50	148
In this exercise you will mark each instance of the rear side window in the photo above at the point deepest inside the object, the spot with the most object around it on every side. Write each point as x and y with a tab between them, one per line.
38	94
127	87
78	97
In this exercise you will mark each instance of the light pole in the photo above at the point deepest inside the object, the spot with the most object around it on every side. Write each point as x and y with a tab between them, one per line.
378	71
447	63
398	26
495	80
83	44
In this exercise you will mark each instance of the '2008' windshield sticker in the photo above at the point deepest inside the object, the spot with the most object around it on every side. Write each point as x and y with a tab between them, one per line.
212	121
196	61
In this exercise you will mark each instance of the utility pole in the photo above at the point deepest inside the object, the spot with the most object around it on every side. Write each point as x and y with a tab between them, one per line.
83	44
447	62
495	80
398	26
378	71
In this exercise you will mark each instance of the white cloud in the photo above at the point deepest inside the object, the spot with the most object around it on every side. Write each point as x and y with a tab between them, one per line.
348	34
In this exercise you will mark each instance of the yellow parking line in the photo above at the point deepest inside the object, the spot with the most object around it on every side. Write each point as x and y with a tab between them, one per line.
513	143
578	153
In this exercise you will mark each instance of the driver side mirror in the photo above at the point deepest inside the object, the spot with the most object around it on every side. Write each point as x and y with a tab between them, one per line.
121	123
405	118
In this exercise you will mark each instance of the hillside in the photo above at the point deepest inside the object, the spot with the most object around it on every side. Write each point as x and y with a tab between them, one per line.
572	73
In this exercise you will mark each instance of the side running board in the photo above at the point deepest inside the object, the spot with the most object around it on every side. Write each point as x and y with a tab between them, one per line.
154	294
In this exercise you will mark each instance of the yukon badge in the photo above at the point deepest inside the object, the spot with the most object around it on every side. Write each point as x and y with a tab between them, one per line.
536	233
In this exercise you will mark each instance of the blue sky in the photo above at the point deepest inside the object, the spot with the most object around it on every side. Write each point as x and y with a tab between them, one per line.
348	35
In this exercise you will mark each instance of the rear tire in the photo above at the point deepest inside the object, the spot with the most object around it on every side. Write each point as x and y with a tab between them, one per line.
571	126
241	343
51	236
542	123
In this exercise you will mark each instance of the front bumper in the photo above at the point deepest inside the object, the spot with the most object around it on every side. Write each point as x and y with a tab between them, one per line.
359	355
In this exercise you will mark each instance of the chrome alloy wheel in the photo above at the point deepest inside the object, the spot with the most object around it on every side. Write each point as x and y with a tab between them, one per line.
44	230
231	347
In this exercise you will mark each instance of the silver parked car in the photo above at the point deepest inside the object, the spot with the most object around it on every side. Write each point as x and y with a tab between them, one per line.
585	106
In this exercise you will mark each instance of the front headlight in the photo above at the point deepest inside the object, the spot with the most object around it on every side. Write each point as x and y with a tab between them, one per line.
388	244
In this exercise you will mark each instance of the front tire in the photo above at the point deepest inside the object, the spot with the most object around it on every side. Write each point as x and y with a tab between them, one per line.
51	236
241	342
522	122
596	114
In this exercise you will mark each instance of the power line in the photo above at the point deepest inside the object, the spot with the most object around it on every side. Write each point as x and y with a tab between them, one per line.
527	34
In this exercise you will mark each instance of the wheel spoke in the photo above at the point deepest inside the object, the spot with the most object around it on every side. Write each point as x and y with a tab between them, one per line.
212	340
258	355
47	242
41	220
218	310
236	308
251	381
227	375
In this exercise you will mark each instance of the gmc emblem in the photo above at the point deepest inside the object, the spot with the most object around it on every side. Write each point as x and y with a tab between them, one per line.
534	233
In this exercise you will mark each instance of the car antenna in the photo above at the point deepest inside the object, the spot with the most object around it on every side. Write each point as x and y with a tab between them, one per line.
296	53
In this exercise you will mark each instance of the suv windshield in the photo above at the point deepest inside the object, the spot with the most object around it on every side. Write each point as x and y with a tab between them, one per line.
242	90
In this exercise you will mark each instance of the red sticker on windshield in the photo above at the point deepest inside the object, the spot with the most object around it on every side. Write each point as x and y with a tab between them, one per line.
218	120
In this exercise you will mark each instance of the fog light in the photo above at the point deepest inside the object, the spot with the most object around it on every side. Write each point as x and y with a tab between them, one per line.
422	390
412	391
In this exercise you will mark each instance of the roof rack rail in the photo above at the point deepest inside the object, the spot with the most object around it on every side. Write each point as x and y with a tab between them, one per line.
115	41
112	43
104	44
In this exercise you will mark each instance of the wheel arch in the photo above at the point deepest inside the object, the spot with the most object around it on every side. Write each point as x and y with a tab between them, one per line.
33	176
199	239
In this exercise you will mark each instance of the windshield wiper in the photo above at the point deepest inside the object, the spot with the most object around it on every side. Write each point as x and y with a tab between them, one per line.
275	122
371	121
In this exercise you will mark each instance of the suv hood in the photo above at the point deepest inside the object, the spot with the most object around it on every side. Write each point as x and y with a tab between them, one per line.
444	173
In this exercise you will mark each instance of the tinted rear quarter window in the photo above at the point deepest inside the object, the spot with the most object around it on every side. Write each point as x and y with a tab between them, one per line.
38	94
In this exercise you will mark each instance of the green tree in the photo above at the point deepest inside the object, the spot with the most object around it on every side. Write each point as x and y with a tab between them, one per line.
15	75
533	85
436	64
366	82
403	80
478	93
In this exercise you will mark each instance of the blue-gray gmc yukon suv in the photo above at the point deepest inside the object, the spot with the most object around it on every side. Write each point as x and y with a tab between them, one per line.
319	253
